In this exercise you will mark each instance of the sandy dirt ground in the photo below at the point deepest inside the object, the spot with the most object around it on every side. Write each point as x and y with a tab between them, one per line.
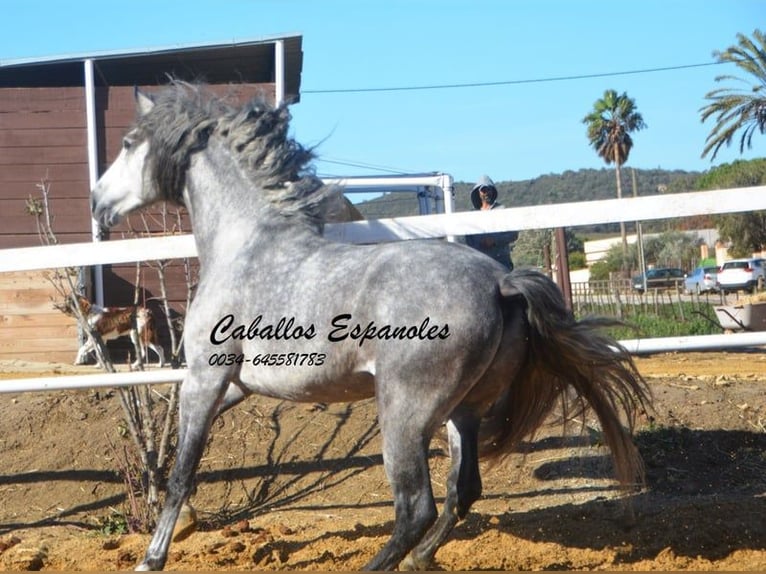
301	487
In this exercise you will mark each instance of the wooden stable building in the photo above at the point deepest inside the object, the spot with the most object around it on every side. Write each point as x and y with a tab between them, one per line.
61	124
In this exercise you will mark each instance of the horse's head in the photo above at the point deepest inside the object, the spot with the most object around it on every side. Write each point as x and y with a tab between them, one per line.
124	186
179	122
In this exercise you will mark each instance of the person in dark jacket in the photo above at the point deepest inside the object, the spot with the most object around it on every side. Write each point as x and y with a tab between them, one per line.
495	245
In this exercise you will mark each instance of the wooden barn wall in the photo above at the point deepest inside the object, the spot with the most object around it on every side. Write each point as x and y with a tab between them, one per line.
43	137
30	328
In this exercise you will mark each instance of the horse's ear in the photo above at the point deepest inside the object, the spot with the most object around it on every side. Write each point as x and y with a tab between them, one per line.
144	102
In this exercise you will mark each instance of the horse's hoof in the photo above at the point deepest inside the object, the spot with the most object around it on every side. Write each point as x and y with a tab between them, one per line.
411	564
186	523
143	567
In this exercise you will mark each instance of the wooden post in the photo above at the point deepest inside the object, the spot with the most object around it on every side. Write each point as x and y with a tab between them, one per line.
562	266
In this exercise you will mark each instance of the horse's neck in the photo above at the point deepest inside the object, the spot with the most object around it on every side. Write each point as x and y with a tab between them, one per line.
228	214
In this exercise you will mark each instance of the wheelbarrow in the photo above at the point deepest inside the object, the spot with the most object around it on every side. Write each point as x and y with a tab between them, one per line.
742	316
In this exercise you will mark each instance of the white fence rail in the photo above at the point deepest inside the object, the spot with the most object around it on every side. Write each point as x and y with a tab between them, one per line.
413	227
402	228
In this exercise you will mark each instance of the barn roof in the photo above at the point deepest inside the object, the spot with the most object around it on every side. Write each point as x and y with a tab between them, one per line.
251	61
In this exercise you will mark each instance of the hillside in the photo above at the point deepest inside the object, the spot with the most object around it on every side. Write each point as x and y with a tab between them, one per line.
570	186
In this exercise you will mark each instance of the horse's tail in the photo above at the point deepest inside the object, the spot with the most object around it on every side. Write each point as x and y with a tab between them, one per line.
565	354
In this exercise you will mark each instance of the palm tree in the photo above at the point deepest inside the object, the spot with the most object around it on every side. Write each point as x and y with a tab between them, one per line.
738	109
613	119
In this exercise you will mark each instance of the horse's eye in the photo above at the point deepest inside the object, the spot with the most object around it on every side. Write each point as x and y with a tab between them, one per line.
127	143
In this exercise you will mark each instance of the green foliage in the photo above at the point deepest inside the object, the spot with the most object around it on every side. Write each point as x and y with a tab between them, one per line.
659	326
672	249
740	173
745	231
528	249
600	271
613	118
577	260
675	319
682	182
114	524
574	242
668	249
614	262
740	109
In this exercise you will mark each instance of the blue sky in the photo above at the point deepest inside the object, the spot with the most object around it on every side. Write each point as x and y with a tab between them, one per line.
513	131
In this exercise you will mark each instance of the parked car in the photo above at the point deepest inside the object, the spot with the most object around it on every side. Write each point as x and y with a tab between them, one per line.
702	280
659	278
742	274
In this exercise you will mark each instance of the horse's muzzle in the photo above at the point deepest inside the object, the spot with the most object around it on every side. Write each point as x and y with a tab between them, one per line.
104	216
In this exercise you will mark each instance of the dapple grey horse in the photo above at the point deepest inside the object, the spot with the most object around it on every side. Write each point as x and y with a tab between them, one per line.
283	312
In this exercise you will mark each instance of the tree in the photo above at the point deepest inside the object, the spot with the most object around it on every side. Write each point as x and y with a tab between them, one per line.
528	251
529	247
740	109
148	420
613	119
745	232
616	260
668	249
674	249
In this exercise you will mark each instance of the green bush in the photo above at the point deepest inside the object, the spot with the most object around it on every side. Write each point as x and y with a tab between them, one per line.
577	260
672	320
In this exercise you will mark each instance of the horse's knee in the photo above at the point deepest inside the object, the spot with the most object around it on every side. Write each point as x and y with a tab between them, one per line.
414	519
426	514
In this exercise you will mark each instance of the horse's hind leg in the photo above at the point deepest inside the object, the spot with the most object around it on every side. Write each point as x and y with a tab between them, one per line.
405	458
199	398
463	488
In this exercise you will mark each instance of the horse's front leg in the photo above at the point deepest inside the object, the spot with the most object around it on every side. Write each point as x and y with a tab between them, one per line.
200	395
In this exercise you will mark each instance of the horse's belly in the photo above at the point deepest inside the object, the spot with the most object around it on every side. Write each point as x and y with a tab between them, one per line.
304	384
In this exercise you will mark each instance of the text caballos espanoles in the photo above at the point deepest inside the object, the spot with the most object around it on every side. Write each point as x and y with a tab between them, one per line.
342	327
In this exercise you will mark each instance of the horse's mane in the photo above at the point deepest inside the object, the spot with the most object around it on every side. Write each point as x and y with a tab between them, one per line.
185	116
